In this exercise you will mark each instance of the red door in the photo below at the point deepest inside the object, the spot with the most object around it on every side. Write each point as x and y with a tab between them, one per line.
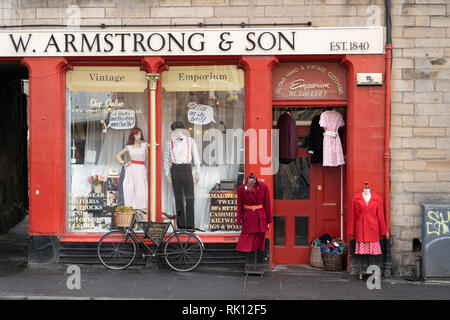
307	201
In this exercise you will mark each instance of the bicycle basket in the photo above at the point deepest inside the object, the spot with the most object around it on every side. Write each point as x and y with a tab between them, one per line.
124	216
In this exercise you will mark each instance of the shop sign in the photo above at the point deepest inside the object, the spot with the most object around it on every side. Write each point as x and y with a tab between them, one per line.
309	80
175	42
223	211
109	79
202	78
122	119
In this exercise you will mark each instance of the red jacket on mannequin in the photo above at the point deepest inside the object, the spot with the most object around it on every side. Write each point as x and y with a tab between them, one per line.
366	222
254	221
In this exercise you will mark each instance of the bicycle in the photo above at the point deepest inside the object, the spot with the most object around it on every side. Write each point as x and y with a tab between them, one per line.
181	249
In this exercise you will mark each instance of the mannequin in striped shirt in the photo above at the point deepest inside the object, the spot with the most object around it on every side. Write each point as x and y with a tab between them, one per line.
179	153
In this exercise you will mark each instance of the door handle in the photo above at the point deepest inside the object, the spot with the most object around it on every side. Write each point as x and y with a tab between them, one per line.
319	187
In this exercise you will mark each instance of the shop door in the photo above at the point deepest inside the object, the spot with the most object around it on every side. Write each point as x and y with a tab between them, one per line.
306	205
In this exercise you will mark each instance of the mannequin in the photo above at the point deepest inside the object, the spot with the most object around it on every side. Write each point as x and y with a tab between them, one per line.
366	193
366	222
254	213
135	187
180	151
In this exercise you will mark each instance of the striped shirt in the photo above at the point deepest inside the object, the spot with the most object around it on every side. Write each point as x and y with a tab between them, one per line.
180	151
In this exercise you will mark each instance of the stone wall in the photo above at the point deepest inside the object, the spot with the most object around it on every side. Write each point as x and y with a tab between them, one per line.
420	118
420	135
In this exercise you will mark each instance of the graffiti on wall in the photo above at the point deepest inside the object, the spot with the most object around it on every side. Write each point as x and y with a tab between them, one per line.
437	222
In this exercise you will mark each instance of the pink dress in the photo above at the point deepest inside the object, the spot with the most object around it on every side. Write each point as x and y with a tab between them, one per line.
333	155
135	187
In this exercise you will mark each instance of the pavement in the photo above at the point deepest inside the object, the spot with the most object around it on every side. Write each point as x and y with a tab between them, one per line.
20	281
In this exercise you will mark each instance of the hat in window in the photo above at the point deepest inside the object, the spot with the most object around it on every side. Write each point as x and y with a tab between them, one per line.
177	125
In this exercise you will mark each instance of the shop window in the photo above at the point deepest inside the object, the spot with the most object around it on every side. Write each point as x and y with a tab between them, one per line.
102	105
301	231
206	105
292	180
279	231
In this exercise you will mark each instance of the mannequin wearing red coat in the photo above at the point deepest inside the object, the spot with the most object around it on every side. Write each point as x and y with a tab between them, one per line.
254	220
366	223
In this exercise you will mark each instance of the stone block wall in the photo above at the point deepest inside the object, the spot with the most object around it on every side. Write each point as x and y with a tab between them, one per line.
420	117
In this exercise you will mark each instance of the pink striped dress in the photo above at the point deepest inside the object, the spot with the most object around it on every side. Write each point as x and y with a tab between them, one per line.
135	187
333	154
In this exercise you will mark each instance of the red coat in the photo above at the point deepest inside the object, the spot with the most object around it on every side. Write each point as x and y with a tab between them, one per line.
366	222
253	220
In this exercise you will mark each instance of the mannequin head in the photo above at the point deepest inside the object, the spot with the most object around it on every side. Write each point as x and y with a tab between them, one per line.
177	125
178	129
135	136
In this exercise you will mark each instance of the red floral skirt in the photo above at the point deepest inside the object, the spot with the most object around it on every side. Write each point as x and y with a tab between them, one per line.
372	248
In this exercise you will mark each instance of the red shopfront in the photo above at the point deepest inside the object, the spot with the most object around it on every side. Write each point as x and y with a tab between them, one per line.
330	189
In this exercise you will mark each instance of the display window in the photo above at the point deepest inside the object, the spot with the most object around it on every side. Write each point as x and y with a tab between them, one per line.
202	145
103	104
202	114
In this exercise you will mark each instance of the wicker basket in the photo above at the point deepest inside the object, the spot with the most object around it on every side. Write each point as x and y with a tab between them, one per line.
333	261
316	257
123	219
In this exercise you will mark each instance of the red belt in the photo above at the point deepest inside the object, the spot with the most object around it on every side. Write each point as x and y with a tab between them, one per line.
260	206
137	162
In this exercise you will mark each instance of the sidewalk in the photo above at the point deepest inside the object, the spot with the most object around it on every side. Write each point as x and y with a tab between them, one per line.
206	283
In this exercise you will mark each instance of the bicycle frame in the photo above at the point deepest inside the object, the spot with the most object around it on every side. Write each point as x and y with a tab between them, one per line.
153	253
130	231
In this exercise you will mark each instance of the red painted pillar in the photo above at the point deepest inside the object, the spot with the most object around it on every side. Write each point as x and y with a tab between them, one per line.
258	120
46	145
155	65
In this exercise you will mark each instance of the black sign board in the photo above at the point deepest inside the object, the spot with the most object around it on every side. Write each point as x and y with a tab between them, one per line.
96	203
223	211
436	240
156	230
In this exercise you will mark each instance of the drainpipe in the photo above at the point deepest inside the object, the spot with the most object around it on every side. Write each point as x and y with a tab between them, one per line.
387	153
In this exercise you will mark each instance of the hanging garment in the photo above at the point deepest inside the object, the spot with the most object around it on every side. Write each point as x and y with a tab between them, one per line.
366	222
333	155
315	140
135	187
288	138
254	214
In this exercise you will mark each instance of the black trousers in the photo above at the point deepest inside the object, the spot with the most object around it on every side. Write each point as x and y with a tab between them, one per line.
182	181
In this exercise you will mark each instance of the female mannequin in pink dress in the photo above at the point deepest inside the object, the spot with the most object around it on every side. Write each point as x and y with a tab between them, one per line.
135	187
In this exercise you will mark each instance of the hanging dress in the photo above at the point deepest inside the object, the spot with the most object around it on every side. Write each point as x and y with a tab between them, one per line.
288	138
135	187
333	154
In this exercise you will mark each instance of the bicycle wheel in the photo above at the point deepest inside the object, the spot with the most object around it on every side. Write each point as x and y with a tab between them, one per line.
116	250
183	251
